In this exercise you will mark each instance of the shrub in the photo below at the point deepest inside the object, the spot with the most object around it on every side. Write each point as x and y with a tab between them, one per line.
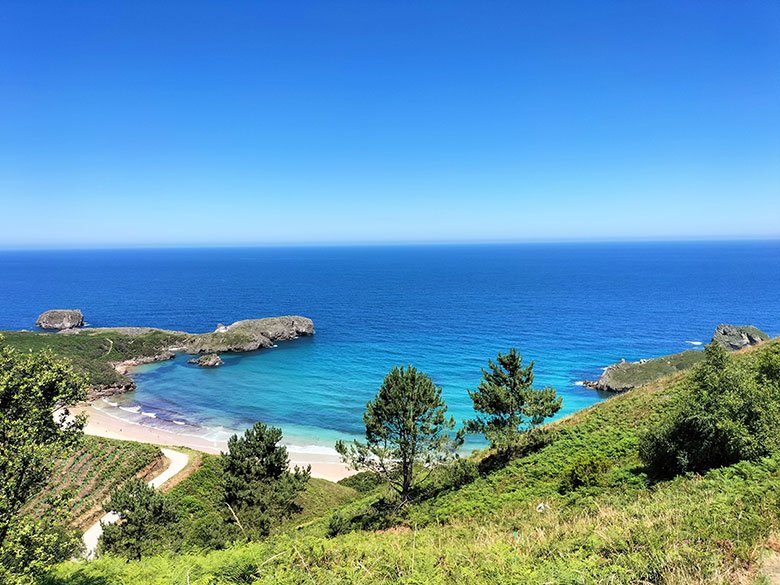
587	471
363	481
381	515
728	412
530	442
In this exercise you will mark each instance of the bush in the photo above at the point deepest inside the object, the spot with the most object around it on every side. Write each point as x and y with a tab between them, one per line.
729	412
381	515
587	471
528	443
363	481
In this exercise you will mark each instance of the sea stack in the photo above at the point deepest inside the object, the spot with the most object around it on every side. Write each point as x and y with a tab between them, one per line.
60	319
209	360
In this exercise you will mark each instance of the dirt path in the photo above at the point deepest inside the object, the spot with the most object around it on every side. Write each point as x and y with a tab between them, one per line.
178	461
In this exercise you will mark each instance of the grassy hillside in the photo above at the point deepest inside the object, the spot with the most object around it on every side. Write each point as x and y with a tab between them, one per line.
93	352
627	375
89	474
524	523
200	510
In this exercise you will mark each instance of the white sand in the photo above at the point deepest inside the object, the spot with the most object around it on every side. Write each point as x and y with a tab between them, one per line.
101	424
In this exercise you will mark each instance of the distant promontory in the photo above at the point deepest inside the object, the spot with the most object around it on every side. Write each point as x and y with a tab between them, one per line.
107	354
624	375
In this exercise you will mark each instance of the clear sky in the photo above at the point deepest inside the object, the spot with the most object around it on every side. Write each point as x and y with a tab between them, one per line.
169	123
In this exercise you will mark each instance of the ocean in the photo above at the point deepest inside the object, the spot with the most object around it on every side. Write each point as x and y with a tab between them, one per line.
571	308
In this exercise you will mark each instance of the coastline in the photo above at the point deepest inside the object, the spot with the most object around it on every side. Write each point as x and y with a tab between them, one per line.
102	424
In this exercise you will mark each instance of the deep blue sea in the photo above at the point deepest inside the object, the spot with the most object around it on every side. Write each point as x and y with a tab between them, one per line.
572	308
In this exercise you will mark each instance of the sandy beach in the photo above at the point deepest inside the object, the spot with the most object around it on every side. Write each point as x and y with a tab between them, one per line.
101	424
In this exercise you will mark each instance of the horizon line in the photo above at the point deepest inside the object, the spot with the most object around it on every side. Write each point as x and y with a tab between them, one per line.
383	244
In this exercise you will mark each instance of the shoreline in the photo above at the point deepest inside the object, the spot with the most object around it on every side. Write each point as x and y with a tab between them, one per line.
102	424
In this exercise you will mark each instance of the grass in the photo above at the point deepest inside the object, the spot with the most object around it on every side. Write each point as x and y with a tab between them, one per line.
93	352
627	375
200	511
90	472
519	525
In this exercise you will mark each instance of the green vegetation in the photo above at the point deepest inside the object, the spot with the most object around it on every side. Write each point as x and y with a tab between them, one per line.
143	515
200	520
34	432
84	479
407	432
259	487
627	375
506	402
578	509
93	352
726	414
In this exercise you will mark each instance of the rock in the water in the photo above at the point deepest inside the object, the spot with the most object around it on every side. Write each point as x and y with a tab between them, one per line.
61	319
209	360
734	337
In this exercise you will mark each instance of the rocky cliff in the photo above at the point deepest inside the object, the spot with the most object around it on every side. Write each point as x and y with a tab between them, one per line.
735	337
250	335
207	360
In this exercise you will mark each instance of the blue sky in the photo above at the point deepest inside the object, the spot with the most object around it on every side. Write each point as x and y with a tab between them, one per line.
175	123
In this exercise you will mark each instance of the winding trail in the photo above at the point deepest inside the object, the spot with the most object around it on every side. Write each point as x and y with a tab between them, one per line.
178	461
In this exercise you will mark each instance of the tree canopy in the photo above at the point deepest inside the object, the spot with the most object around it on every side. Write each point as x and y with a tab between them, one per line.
728	411
259	487
143	512
507	403
407	430
36	429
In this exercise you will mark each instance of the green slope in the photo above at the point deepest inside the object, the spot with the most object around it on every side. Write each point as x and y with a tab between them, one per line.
87	476
521	525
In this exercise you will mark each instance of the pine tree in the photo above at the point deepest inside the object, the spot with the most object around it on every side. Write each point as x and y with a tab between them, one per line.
143	514
407	432
506	402
259	486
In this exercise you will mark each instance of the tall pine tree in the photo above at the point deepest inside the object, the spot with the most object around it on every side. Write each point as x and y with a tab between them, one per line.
507	403
259	486
408	432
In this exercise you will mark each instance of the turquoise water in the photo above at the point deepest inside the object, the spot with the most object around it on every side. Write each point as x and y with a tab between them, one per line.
573	309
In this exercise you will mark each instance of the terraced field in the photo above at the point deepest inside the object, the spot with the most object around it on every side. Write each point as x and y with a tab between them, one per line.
88	475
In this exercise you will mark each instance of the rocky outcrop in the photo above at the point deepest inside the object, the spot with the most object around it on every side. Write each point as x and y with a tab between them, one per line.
60	319
208	360
250	335
108	354
736	337
624	375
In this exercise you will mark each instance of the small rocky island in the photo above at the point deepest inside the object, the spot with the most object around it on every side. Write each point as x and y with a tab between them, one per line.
624	376
107	354
59	319
208	360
